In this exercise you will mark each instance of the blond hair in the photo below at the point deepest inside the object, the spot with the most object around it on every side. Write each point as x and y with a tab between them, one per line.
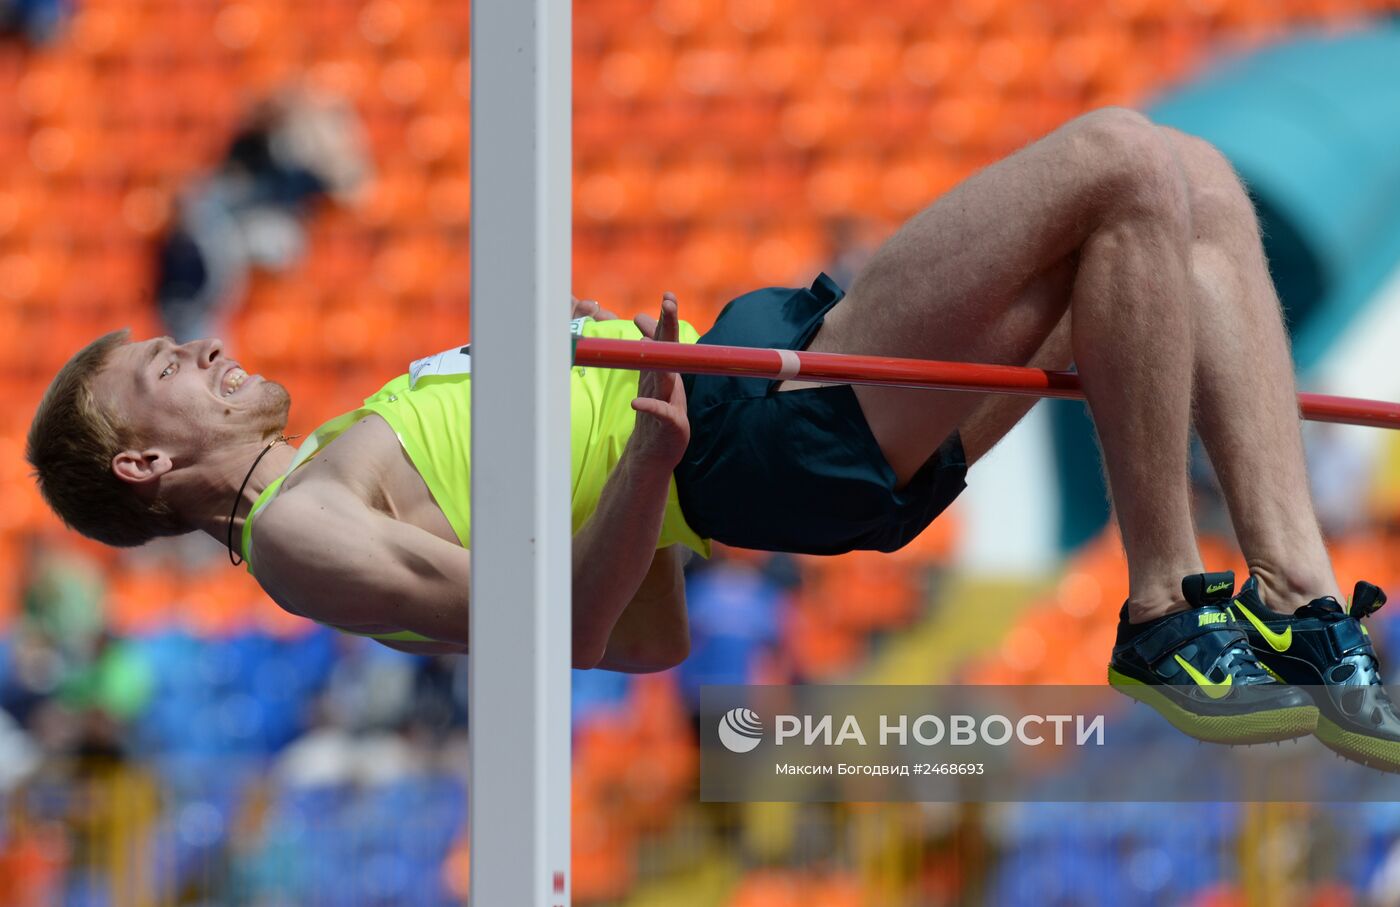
71	443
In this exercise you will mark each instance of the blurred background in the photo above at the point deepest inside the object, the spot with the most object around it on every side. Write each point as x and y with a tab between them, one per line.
292	175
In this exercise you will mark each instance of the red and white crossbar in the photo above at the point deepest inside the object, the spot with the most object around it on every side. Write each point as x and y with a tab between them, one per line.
835	368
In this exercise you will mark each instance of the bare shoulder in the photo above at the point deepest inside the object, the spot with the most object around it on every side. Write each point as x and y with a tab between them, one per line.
302	532
323	553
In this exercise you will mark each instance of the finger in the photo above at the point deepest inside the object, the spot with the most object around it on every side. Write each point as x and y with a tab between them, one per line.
667	327
646	324
670	317
655	385
650	406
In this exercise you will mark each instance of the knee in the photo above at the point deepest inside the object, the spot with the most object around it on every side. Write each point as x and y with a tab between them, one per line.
1133	170
1220	203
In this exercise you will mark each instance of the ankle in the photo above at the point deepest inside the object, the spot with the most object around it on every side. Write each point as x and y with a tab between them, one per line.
1287	590
1150	604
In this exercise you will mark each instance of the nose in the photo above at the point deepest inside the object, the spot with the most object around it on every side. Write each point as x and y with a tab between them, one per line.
209	350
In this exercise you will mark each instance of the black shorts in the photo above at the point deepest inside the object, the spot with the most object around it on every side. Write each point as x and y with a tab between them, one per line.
799	470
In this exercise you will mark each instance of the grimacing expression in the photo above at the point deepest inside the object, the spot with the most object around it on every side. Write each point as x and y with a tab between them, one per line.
188	397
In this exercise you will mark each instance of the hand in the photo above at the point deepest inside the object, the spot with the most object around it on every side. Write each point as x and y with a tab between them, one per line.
663	430
589	308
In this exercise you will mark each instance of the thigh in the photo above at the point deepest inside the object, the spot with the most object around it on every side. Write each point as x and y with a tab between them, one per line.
993	415
982	275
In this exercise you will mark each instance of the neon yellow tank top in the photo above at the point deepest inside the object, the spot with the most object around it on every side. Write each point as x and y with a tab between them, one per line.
429	408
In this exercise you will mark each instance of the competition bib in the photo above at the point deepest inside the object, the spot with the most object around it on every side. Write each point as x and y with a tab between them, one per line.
456	361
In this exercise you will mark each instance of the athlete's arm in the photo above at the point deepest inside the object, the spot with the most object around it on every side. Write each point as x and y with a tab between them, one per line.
332	558
614	551
653	633
425	648
615	548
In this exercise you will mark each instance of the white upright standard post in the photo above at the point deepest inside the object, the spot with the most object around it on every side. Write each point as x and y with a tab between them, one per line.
521	650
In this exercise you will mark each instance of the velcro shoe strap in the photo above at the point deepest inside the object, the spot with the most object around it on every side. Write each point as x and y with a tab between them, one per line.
1347	638
1162	640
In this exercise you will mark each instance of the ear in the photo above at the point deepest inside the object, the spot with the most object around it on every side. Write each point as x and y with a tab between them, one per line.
141	467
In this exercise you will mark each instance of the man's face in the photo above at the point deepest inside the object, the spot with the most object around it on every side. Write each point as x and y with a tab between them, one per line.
188	398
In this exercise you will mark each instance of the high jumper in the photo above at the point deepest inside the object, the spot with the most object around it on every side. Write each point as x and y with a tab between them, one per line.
1128	249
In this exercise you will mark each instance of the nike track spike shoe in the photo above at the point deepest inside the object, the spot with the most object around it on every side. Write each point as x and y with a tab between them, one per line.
1196	668
1323	648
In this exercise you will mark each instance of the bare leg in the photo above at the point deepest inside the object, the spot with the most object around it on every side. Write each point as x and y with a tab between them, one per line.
997	414
1105	197
1246	405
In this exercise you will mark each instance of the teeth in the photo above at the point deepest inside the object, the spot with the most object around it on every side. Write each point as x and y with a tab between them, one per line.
233	380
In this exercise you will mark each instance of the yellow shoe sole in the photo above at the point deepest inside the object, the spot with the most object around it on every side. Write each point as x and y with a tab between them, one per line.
1370	752
1264	726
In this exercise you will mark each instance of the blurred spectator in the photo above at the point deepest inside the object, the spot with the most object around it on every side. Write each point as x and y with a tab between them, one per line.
733	617
439	697
62	598
293	149
34	21
34	674
330	754
61	595
74	684
371	688
18	754
107	693
376	718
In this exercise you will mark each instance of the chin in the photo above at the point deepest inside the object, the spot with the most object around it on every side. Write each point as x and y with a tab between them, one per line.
274	403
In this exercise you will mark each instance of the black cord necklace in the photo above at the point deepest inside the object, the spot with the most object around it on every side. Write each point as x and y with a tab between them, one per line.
238	497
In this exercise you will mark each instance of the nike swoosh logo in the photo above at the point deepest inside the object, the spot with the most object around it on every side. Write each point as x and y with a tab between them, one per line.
1209	687
1279	641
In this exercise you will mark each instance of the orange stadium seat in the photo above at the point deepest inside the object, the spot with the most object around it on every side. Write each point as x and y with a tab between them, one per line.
1012	62
681	18
820	649
404	24
759	17
782	64
636	70
866	590
934	546
601	857
819	117
708	69
139	599
863	63
836	889
1363	556
789	255
768	888
710	255
619	190
9	580
840	185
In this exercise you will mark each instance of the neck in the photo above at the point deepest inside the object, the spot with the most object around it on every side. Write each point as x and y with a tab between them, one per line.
211	512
